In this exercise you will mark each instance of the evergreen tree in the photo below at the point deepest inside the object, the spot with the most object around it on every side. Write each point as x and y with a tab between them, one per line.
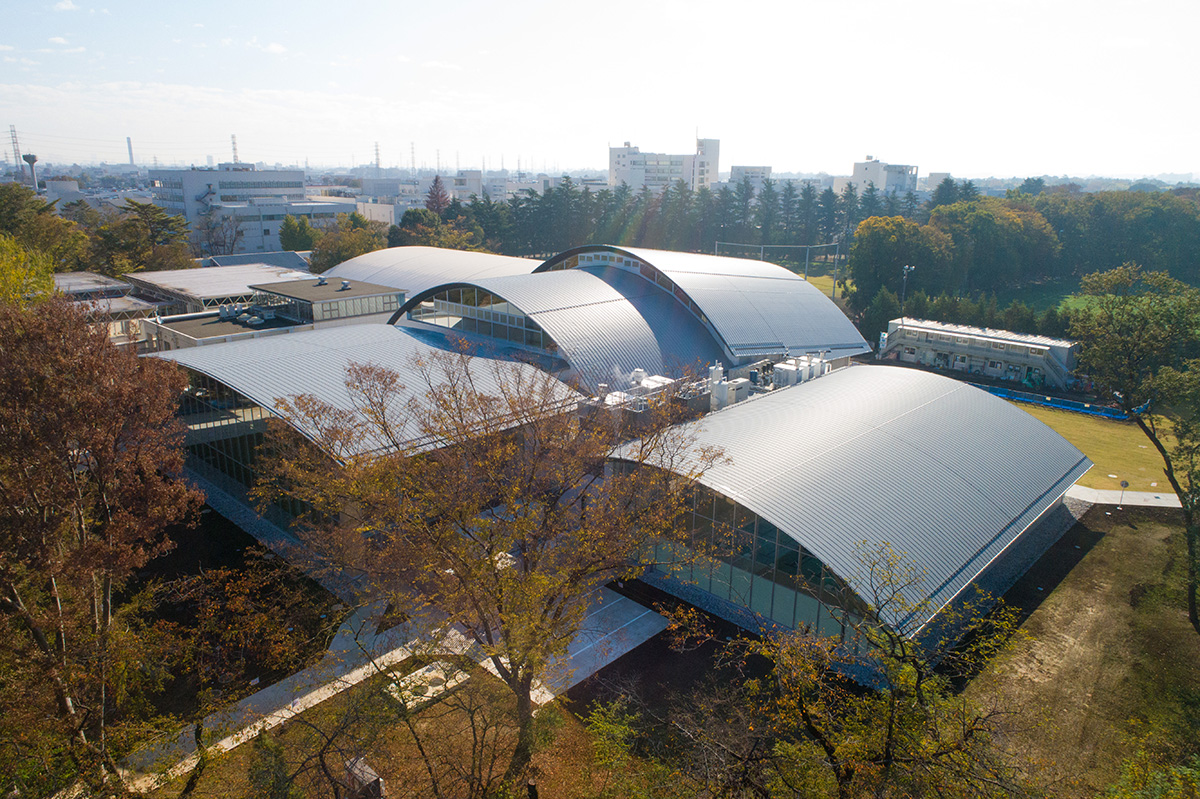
295	233
766	216
871	202
438	199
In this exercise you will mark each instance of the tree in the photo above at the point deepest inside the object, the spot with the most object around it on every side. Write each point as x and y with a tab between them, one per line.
144	237
506	527
945	193
91	447
295	233
219	233
884	245
25	275
352	236
1032	186
438	199
871	203
790	723
1139	335
884	307
32	222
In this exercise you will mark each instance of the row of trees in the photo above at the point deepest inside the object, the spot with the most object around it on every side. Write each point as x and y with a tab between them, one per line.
80	238
991	244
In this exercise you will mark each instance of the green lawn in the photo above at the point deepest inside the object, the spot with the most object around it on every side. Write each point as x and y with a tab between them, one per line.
1117	448
1107	665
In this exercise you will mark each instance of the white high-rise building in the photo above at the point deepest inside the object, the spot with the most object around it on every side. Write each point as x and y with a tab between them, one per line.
658	170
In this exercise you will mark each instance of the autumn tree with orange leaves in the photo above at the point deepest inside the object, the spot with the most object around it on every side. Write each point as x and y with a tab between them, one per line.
89	447
498	513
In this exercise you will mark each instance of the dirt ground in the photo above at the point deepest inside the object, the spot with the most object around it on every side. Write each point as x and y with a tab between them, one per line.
1109	663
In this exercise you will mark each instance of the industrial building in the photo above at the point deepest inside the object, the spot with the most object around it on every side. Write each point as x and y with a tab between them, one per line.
254	201
1033	361
823	458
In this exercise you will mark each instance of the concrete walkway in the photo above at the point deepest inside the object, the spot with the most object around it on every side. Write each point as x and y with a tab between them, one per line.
614	625
1132	498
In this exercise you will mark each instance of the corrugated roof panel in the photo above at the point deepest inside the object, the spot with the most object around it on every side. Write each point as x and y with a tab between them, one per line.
947	474
756	307
314	362
608	322
415	269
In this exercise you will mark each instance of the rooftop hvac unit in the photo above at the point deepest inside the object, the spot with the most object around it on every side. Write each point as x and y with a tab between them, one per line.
225	312
638	376
786	374
345	285
321	281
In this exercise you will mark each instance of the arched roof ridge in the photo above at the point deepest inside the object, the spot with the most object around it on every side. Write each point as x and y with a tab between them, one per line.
754	309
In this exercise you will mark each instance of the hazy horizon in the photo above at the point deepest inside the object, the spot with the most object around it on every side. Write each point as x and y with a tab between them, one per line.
1008	90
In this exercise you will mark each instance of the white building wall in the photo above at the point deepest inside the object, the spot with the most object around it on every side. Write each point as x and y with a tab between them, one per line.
630	165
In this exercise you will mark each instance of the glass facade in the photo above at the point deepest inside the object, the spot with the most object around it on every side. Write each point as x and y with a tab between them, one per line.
472	310
304	311
224	431
740	557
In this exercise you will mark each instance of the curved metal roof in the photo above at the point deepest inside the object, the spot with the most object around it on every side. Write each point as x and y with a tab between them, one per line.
415	269
756	308
947	474
315	361
606	322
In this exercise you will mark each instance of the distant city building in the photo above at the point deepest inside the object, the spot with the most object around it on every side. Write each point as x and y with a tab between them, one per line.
658	170
933	179
888	178
257	200
758	175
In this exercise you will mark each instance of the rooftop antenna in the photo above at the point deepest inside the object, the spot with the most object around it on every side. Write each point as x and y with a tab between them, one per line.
377	167
129	144
233	139
439	161
413	149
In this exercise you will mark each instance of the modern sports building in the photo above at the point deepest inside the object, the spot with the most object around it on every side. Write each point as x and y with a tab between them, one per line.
964	484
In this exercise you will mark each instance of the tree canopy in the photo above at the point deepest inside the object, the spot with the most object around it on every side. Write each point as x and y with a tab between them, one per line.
506	527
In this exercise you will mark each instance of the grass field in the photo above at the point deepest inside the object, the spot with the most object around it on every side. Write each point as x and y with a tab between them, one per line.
1119	449
1109	666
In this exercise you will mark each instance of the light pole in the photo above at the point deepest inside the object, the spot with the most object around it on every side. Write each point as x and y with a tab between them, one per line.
904	288
837	251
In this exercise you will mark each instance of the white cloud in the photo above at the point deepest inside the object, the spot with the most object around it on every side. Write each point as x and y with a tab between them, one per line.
75	50
57	40
197	24
275	48
6	47
65	5
440	65
226	42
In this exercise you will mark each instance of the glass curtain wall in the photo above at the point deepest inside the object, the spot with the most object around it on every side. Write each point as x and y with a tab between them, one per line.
473	310
740	557
224	431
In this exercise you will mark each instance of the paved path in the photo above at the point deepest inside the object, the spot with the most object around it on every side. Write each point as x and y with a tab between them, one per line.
614	625
1134	498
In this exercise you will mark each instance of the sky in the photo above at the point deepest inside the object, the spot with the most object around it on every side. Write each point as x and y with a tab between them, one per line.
977	88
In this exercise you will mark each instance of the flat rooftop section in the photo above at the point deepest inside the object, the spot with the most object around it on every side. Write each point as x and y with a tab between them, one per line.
214	282
113	305
982	332
311	290
201	326
86	282
284	258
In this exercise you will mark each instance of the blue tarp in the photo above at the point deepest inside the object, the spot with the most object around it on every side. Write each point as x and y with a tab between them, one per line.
1055	402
